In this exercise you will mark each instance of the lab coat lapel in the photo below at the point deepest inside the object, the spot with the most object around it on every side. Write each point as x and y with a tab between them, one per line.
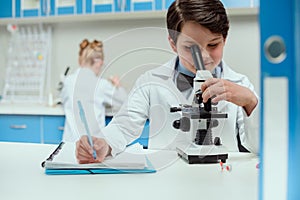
166	72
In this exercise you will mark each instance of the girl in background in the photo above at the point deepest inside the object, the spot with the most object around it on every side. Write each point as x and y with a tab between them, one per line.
94	92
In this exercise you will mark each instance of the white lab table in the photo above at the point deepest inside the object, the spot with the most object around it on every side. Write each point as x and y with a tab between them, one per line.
30	109
22	177
39	109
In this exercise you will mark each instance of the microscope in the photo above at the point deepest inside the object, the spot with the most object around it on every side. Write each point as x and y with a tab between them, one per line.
198	120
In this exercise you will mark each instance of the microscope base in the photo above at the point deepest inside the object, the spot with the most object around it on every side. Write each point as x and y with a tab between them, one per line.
201	154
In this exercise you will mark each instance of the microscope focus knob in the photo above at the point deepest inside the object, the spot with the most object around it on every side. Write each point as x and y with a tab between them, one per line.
217	141
176	124
214	123
183	124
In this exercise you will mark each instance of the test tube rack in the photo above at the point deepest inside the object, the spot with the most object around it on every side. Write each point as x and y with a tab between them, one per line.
28	63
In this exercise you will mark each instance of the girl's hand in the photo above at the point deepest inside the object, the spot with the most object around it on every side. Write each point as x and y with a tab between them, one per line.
115	81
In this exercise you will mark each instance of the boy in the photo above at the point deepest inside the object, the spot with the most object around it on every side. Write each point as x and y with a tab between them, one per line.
189	22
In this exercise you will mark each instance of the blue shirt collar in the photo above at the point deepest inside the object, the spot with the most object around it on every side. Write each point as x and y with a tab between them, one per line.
218	71
183	70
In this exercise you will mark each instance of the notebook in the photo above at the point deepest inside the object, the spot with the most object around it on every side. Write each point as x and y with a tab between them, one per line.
63	161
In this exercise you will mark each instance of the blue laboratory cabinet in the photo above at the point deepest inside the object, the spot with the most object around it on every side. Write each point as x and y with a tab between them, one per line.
107	6
20	128
167	4
52	129
240	3
31	128
46	129
32	8
21	9
6	8
146	5
46	8
68	9
42	8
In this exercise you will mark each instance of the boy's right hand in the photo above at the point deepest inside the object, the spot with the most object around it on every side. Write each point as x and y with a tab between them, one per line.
84	152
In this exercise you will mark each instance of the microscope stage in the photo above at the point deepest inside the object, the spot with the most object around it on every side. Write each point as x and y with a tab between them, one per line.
200	154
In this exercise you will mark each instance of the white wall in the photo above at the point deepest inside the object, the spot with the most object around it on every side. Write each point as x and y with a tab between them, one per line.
242	51
4	38
130	44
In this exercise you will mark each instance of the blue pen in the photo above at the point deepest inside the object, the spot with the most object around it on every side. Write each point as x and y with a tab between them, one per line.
83	119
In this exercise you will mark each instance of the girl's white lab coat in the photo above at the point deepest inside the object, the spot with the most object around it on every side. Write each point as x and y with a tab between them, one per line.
95	94
151	98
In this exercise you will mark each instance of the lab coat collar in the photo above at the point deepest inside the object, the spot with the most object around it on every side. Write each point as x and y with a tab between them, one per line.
166	70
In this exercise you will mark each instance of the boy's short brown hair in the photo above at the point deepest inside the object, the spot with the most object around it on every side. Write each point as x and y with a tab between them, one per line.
209	13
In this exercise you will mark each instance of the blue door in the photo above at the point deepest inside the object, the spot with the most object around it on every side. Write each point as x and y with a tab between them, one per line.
280	92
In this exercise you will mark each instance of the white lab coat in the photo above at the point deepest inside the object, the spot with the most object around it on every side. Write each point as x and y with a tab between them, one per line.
95	95
151	98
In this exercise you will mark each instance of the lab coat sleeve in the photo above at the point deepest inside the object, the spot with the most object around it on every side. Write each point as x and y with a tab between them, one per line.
128	123
71	132
113	96
249	125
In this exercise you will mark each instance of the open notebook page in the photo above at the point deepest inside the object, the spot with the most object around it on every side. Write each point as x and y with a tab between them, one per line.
129	159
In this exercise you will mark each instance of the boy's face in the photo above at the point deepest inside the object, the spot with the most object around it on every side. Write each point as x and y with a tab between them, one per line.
211	46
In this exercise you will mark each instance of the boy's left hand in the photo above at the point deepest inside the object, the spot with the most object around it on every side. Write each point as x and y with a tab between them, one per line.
221	89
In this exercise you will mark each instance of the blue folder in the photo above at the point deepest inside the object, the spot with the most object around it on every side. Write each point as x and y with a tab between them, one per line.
97	171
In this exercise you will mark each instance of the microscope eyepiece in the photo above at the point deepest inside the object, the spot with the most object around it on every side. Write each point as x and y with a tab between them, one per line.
197	57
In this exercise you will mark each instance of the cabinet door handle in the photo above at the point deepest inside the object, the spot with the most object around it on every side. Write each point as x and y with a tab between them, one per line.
60	128
23	126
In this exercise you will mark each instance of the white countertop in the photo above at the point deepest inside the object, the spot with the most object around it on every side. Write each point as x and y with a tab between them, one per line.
30	109
22	177
38	109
